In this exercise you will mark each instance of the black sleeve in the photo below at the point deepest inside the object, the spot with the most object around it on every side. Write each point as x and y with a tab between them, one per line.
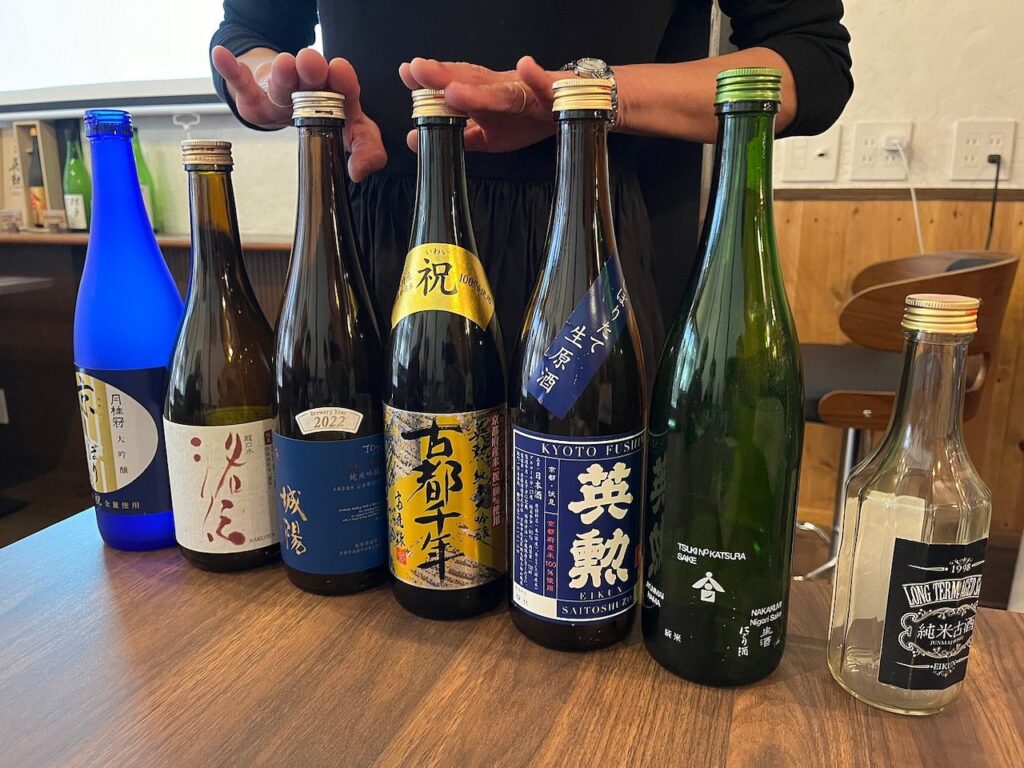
810	36
252	24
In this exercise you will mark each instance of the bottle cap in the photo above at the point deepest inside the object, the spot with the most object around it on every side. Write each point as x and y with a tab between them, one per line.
429	102
323	104
582	93
115	122
941	313
206	152
748	84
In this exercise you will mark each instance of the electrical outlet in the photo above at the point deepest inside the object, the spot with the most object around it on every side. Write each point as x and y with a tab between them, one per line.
974	141
811	158
872	161
5	417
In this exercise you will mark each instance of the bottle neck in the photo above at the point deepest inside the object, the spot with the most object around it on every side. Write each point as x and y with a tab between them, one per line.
117	208
741	190
930	403
74	150
582	219
216	245
442	203
323	220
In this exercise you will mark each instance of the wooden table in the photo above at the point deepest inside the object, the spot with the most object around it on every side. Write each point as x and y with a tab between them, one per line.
109	658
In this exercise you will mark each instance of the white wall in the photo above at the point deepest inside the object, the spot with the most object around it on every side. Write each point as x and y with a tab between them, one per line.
933	62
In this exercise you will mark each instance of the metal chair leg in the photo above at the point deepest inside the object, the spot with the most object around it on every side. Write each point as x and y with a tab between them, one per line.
850	454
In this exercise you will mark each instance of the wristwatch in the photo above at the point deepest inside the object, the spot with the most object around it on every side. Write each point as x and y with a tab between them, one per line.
597	68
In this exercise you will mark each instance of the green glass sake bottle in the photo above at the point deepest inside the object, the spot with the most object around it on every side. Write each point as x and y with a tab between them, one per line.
445	395
146	183
577	407
77	186
726	425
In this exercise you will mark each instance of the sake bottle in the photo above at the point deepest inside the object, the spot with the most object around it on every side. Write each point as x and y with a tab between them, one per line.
126	319
218	417
445	395
146	183
577	407
77	187
912	546
726	424
329	444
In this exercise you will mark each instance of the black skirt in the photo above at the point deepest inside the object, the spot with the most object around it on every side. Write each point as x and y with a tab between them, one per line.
510	220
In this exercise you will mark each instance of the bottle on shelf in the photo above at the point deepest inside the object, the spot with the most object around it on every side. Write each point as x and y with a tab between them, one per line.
726	424
77	186
36	188
218	417
577	407
329	443
908	578
126	319
445	396
149	197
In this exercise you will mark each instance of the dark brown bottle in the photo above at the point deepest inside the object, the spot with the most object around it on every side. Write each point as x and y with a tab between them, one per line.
577	407
218	416
328	447
445	408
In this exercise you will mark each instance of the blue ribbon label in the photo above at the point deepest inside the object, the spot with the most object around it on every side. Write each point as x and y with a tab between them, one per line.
575	524
582	345
330	500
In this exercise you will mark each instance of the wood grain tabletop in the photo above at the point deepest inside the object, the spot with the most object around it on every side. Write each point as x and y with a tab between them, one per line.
116	659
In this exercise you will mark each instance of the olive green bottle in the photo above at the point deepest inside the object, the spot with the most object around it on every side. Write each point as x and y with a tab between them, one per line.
218	415
726	425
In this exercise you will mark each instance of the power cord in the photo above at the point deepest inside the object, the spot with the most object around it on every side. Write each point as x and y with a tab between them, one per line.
997	161
897	144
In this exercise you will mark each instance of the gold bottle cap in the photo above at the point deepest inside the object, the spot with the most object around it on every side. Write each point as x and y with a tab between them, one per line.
429	102
941	313
323	104
748	84
206	152
582	93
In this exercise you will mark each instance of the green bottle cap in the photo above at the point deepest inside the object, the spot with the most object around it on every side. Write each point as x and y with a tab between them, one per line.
748	84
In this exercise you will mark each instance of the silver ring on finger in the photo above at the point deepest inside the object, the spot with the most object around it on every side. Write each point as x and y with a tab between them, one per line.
522	107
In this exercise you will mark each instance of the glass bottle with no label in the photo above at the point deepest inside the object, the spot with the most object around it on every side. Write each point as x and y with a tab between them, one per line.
77	186
445	395
726	425
577	407
916	523
218	417
328	447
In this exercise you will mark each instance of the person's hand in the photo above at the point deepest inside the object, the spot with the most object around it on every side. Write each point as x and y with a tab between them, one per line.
262	82
507	110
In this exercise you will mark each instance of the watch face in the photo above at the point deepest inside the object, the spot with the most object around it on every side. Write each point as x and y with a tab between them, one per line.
591	66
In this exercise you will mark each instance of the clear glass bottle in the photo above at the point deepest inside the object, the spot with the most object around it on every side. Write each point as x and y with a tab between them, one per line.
913	538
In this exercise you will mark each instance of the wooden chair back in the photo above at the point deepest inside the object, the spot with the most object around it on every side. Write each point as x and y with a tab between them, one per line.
871	318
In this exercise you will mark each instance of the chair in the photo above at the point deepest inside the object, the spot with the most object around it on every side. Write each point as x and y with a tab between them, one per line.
853	387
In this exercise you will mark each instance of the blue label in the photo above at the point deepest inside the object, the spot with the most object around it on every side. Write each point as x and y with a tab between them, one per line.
583	343
575	524
122	419
330	498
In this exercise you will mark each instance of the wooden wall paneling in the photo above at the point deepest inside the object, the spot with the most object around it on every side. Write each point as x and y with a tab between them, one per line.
824	243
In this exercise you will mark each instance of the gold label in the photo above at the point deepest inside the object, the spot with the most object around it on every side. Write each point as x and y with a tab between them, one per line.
440	276
445	478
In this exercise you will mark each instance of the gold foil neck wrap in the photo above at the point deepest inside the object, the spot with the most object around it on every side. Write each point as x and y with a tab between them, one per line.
323	104
748	84
582	93
206	152
429	102
941	313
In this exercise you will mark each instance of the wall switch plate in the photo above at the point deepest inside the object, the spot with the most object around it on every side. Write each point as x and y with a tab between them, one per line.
811	158
974	141
5	417
871	160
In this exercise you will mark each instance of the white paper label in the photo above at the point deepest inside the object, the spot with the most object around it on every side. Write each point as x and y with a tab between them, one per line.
329	420
222	486
74	207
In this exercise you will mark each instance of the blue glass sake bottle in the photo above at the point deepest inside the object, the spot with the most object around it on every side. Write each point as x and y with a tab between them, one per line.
126	321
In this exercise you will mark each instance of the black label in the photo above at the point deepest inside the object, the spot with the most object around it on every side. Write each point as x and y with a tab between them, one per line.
929	617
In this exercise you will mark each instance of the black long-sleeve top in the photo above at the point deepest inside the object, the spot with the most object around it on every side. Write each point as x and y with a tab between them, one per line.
377	36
